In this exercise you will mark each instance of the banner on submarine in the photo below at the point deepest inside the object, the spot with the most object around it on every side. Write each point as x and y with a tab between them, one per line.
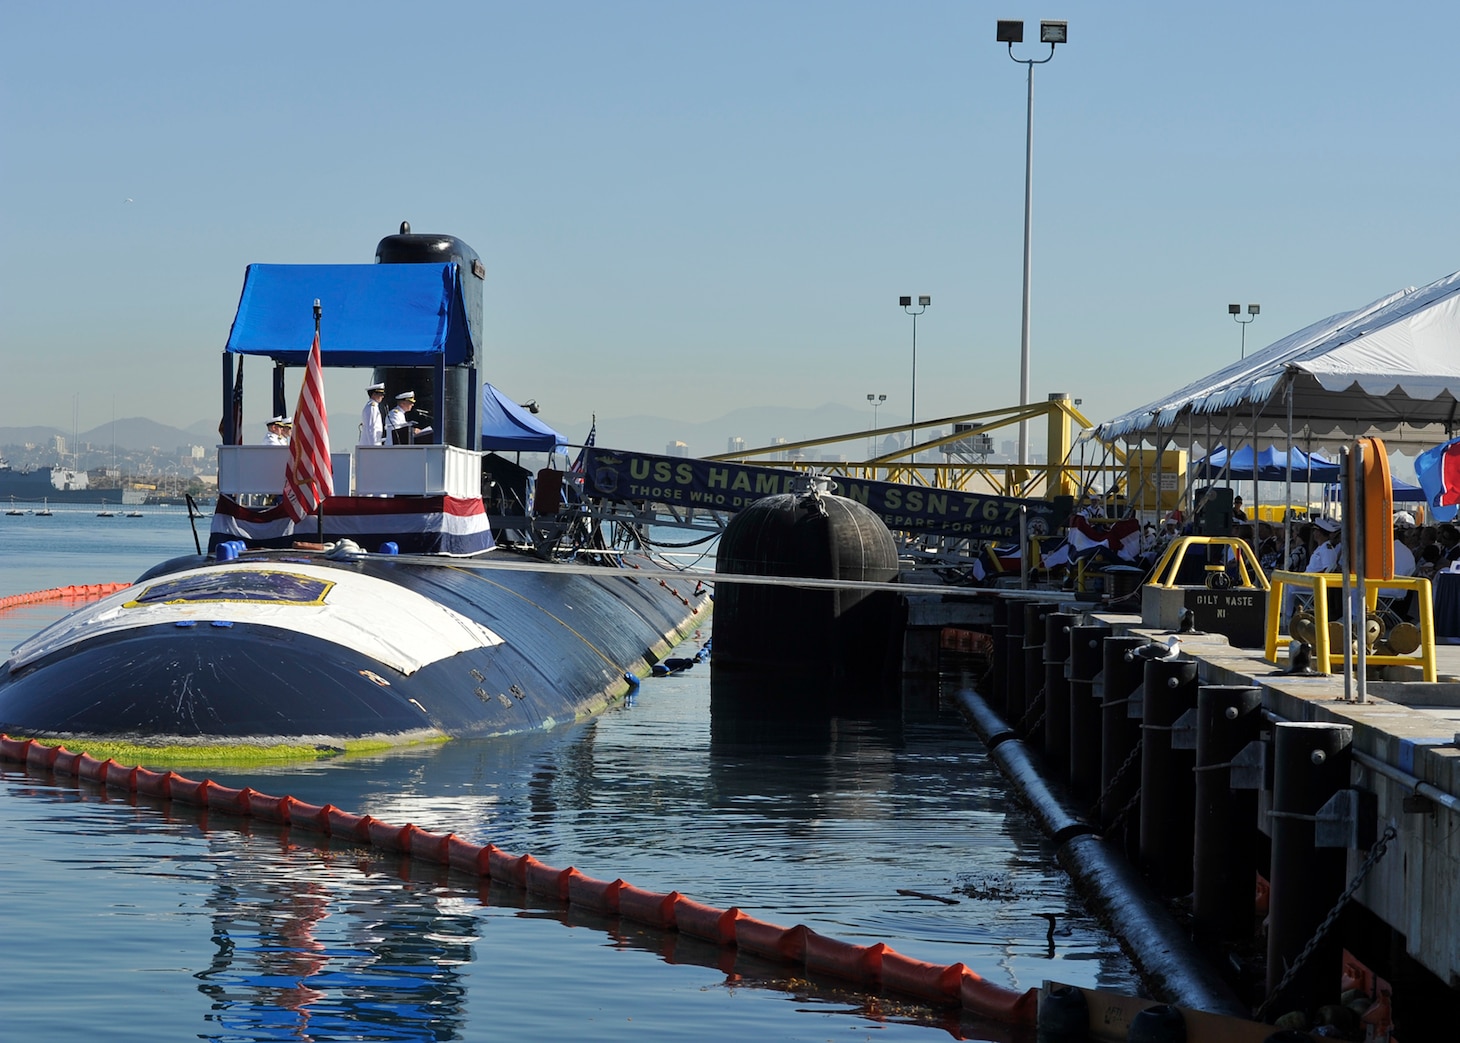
613	474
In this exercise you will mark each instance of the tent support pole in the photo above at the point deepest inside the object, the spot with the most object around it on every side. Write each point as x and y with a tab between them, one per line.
1227	441
1206	453
1288	489
1185	494
1256	470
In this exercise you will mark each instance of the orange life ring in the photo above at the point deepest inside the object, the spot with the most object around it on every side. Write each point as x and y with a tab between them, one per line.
1376	494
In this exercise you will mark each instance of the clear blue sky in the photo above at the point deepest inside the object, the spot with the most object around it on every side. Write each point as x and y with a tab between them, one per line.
688	207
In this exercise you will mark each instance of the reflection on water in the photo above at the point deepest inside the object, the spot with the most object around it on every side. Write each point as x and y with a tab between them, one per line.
826	822
855	827
310	947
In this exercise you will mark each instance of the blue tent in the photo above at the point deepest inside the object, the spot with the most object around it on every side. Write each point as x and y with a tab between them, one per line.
1403	491
1272	465
373	314
507	426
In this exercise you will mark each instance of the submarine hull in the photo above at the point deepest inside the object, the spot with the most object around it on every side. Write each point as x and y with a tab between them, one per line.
277	648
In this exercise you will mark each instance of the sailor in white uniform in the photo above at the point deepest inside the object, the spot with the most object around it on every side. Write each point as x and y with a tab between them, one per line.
397	422
280	428
372	423
1325	556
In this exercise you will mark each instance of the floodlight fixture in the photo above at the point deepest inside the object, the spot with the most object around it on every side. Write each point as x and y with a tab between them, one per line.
907	305
1052	33
1011	31
876	400
1235	310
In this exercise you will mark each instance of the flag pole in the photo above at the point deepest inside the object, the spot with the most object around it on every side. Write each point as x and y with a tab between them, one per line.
319	510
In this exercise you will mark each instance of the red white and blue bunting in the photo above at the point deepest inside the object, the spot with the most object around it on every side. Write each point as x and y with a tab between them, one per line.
415	524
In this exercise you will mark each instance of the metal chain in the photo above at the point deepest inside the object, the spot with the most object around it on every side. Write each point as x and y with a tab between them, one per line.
1035	704
1375	853
1135	751
1120	816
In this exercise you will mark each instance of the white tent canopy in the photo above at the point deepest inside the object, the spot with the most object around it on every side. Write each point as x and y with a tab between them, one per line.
1391	368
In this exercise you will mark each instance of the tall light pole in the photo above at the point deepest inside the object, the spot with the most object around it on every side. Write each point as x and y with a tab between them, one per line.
1052	33
876	401
906	302
1235	310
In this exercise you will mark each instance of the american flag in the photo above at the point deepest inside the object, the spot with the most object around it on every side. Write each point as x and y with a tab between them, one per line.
230	428
576	470
309	479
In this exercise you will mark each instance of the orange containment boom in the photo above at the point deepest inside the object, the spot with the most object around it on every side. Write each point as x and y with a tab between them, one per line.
872	966
84	591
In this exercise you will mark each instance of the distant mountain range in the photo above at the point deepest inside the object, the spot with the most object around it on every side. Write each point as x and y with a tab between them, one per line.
757	425
134	434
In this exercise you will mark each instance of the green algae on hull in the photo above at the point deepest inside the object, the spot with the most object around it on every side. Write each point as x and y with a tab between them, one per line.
227	755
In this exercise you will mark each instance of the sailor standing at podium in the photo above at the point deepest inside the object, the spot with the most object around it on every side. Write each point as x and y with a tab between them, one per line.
372	423
396	425
279	429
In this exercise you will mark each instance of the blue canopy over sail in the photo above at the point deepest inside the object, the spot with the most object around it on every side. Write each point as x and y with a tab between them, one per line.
1272	465
373	314
507	426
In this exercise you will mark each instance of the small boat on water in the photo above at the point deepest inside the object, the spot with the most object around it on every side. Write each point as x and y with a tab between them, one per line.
45	511
105	512
14	510
134	514
392	615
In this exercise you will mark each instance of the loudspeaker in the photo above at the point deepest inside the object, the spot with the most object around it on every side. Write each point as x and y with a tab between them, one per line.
1215	515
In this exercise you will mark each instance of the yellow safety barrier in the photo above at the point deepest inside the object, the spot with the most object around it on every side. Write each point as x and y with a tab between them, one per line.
1320	583
1167	569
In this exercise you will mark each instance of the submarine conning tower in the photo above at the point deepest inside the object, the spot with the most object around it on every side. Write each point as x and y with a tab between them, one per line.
454	415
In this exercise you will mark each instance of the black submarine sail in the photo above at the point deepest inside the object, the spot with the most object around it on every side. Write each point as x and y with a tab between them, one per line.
413	625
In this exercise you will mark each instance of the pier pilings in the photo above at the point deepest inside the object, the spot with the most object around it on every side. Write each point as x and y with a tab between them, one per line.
1208	774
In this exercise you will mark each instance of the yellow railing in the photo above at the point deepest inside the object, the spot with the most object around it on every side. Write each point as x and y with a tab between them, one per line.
1167	569
1325	660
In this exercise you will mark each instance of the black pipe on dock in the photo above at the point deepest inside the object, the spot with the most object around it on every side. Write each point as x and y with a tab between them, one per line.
1225	845
1027	770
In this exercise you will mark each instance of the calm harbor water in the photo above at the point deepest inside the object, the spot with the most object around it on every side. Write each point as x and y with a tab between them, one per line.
149	921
